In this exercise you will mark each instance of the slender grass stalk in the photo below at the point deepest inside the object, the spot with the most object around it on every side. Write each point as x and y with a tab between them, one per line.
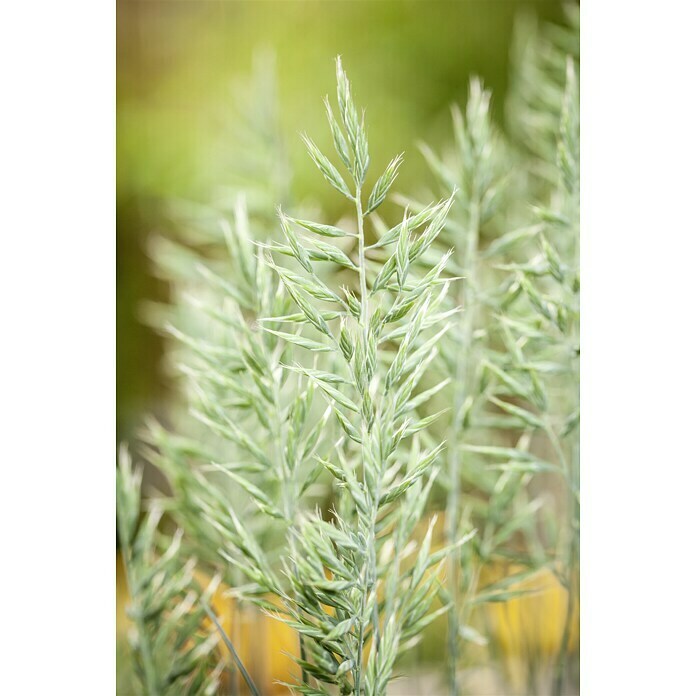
368	572
230	647
463	387
289	483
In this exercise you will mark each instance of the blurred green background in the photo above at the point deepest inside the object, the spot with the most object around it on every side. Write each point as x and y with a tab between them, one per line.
178	64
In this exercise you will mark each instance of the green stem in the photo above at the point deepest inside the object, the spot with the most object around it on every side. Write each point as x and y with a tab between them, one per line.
364	326
288	484
466	299
151	681
565	640
370	570
148	664
364	304
573	521
233	652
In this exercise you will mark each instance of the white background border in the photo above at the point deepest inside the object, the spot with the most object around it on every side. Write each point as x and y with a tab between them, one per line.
638	125
57	347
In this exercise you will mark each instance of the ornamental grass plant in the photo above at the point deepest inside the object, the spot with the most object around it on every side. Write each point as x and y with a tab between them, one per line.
376	428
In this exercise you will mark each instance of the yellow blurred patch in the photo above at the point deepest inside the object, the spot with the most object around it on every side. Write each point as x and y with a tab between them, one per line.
528	629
